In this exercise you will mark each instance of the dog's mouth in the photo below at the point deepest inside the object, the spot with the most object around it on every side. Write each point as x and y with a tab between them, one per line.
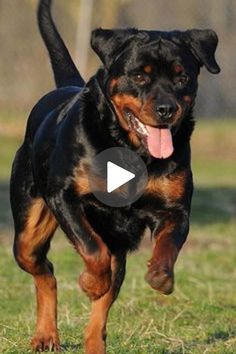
157	140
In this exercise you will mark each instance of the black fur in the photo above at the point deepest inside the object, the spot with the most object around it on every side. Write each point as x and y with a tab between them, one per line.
64	69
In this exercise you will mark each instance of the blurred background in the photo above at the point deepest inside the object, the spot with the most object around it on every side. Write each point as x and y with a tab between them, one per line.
201	315
24	67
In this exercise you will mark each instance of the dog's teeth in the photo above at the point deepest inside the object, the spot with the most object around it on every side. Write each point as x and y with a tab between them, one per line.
136	124
129	114
141	128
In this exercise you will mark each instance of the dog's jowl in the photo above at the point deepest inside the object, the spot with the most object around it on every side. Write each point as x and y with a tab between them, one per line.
141	98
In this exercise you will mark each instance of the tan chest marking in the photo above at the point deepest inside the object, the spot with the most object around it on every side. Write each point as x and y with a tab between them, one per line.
171	187
81	184
85	182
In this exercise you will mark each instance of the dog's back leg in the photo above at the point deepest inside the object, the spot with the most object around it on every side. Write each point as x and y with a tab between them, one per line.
34	228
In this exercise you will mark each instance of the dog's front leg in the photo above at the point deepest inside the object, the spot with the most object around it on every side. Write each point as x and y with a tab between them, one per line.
96	279
170	235
95	334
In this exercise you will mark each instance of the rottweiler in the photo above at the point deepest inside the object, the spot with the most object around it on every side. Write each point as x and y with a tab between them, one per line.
141	98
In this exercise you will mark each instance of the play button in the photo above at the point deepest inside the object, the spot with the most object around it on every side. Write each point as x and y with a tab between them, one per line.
117	177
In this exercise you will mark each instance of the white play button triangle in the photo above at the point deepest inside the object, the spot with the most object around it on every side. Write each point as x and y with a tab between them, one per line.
117	176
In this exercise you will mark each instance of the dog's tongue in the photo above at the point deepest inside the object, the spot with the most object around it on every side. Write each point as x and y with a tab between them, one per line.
160	144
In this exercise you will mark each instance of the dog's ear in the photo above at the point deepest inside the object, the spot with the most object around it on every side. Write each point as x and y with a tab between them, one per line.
203	45
108	44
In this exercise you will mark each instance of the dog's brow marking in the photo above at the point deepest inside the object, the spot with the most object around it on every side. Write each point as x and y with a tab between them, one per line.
113	83
187	99
148	69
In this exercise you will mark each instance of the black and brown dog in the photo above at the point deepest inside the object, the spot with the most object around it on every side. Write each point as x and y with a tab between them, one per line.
141	98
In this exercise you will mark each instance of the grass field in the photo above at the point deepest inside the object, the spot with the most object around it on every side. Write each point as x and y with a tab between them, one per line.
200	317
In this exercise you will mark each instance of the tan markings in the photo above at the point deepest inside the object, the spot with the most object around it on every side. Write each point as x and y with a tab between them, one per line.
147	115
165	252
82	183
171	188
122	102
40	225
144	111
178	116
134	138
187	99
98	262
165	228
96	278
113	83
95	285
127	101
86	182
46	334
81	180
160	267
95	334
40	220
148	69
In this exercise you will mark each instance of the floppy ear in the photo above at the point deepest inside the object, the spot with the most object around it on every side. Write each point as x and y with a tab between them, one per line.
203	45
108	44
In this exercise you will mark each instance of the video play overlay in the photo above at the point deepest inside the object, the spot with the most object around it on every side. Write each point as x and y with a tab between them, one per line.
118	177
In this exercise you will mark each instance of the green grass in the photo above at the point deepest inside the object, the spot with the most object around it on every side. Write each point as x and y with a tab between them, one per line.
200	317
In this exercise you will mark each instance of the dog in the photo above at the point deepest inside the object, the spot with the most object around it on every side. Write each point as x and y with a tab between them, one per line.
141	98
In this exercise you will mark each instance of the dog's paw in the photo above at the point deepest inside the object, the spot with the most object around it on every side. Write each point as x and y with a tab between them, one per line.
95	285
161	280
46	342
95	345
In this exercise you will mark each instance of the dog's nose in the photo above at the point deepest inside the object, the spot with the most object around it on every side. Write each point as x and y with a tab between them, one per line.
167	110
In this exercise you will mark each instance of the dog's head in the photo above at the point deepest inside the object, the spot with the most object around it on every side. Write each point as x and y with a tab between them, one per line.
152	80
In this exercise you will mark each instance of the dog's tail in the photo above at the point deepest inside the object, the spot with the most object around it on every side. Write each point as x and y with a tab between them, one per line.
64	69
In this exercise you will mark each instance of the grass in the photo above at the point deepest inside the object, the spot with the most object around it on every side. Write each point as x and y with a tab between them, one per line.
200	317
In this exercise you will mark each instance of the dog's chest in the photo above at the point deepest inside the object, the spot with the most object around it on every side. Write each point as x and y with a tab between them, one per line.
118	227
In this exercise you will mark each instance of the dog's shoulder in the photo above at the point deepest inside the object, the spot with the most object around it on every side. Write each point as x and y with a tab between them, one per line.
52	108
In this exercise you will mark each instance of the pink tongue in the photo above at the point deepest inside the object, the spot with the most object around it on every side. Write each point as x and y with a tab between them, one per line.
159	142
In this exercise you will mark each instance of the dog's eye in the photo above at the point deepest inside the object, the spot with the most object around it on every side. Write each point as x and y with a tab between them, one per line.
141	79
181	81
